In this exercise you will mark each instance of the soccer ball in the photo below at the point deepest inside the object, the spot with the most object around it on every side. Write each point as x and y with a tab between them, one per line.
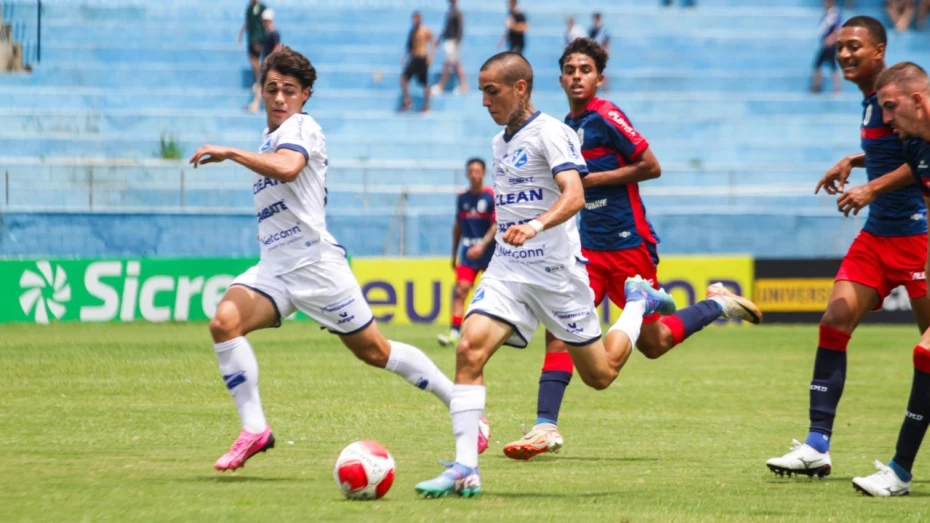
364	470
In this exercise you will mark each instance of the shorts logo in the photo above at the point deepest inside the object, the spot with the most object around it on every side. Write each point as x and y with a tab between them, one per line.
819	388
338	306
571	315
915	417
344	317
574	328
919	276
479	295
519	158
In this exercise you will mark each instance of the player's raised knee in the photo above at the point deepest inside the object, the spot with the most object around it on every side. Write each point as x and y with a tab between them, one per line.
225	324
460	291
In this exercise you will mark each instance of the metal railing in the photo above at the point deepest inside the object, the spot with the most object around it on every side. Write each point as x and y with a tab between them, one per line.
165	186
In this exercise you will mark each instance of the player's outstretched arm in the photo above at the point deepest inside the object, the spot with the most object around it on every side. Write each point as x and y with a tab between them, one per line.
858	198
566	207
646	168
284	165
839	173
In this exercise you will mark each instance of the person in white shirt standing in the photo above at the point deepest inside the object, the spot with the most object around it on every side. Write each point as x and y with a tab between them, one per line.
573	31
301	266
537	273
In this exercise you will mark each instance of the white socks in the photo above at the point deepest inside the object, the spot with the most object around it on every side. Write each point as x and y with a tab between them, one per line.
466	408
239	369
631	320
410	363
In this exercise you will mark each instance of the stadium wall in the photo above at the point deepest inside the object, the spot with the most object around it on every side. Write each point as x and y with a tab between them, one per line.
91	235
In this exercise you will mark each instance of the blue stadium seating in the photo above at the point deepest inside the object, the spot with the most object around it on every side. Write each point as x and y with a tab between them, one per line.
720	91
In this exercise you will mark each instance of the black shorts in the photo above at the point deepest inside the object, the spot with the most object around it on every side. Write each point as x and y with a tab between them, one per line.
254	50
416	68
827	55
516	43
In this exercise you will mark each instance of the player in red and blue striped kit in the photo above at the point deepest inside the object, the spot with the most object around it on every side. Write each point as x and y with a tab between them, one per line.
890	251
472	241
616	238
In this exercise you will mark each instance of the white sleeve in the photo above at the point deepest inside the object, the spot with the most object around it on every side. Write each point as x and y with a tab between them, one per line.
296	135
562	150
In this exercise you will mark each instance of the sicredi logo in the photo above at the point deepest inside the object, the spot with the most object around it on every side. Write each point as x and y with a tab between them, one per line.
117	290
35	301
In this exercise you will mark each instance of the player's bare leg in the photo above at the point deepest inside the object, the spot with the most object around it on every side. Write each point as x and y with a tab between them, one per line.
242	311
458	311
921	308
405	105
443	78
463	80
481	337
425	97
848	304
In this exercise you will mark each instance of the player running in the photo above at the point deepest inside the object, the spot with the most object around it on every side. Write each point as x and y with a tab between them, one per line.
890	251
472	241
301	266
904	96
537	273
616	238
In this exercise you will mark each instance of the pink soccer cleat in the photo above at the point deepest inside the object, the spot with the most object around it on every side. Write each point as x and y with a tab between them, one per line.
484	434
245	446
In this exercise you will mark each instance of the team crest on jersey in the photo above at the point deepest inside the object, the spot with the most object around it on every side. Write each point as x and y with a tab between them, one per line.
519	158
265	146
581	135
868	115
482	205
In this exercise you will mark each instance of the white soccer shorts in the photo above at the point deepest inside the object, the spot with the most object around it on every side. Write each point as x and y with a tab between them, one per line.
326	291
451	49
569	315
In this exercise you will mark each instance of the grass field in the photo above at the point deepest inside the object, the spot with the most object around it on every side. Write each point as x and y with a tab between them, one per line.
119	422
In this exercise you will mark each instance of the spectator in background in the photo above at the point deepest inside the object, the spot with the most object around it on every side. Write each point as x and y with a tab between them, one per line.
599	34
828	32
451	48
420	50
922	13
685	3
270	44
255	31
573	31
900	12
516	30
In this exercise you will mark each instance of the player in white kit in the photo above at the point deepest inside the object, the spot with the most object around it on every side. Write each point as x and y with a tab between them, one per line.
537	273
302	267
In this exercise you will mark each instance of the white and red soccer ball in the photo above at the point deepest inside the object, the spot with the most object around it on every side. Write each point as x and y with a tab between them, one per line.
364	470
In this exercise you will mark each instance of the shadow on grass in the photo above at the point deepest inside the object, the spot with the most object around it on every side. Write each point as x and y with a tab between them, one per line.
552	459
550	495
240	479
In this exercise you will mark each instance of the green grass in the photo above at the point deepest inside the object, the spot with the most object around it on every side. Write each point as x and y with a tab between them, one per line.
119	422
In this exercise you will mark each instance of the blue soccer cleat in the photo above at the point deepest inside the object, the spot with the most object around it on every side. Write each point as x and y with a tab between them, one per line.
457	479
638	289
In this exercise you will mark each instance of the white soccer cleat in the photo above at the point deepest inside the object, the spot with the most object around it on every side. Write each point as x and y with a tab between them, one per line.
883	484
540	439
734	306
803	459
448	340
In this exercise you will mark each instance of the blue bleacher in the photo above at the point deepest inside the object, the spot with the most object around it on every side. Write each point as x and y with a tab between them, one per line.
720	91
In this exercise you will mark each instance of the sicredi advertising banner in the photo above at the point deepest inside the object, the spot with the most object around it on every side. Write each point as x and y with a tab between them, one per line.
401	291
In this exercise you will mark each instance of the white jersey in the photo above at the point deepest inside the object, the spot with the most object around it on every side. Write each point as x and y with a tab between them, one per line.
291	215
525	166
